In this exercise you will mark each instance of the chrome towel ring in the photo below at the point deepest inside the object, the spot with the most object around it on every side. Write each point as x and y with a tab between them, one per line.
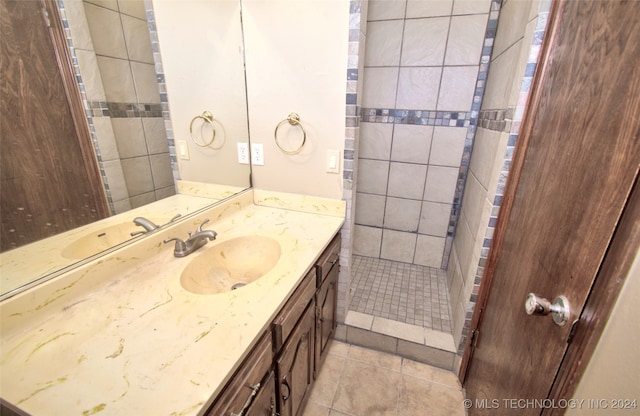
207	117
294	120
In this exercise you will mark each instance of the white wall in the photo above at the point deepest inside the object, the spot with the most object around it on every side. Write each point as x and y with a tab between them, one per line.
296	61
614	369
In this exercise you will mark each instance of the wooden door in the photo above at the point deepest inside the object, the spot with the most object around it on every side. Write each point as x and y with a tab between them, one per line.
295	365
572	174
50	178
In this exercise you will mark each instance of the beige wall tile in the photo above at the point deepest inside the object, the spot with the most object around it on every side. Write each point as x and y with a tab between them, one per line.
121	206
447	146
503	78
513	19
370	209
165	192
384	94
109	4
475	206
90	72
429	251
144	76
117	80
421	8
398	246
418	88
471	6
372	176
106	31
136	35
130	137
386	9
402	214
116	179
466	38
406	180
440	340
484	155
155	135
106	138
418	52
411	143
132	8
370	339
440	184
434	219
161	170
142	199
78	26
375	140
137	172
457	88
359	320
367	241
384	40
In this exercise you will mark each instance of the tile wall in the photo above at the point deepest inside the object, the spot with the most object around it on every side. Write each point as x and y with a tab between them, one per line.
517	44
114	65
423	80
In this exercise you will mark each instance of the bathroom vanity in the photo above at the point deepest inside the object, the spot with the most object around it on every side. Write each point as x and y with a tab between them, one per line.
126	334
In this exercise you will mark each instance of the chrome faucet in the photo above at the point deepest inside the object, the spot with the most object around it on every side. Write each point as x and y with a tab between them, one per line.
194	242
145	223
148	225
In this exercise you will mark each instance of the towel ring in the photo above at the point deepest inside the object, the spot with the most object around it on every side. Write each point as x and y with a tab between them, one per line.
294	120
208	118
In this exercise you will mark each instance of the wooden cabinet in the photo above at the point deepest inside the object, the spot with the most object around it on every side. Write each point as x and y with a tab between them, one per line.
327	271
249	382
295	365
277	376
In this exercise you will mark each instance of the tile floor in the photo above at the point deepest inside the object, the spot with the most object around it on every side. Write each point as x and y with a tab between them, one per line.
356	381
403	292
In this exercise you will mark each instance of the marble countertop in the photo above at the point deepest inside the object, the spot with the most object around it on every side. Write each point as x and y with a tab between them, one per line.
120	335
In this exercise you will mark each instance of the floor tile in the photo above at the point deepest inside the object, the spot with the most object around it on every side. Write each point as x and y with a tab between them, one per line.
314	409
429	373
377	358
326	384
421	397
367	390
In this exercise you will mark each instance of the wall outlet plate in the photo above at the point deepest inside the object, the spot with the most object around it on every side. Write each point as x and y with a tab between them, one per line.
243	153
257	154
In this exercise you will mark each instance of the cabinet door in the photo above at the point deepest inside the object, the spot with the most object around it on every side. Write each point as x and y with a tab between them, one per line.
264	403
326	303
295	365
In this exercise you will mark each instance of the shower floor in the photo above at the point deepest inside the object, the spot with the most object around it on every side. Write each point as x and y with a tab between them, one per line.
416	295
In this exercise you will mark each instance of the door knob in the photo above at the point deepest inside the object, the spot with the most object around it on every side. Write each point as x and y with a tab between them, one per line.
559	309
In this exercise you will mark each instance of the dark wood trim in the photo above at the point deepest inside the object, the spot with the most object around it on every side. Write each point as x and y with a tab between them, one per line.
510	190
63	57
611	277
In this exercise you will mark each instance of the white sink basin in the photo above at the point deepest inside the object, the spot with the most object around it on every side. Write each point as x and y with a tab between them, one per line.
230	265
100	240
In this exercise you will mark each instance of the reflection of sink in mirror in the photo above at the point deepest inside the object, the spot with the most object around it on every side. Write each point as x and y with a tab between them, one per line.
230	265
100	240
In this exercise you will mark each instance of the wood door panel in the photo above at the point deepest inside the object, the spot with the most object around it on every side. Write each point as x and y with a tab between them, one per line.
580	162
50	183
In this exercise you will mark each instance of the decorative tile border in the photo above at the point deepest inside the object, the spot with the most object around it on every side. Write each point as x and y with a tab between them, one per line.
418	117
124	110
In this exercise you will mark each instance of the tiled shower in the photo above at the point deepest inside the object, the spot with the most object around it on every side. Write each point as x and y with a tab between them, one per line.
425	68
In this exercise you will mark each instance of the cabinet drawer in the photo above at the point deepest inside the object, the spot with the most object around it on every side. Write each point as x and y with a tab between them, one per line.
330	257
238	392
293	309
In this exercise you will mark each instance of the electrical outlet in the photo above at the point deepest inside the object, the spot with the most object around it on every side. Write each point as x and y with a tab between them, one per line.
243	153
257	154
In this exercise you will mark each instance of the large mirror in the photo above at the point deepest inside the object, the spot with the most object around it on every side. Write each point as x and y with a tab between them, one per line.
163	102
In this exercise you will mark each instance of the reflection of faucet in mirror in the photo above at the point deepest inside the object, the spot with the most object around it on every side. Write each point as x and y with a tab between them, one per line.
149	225
194	242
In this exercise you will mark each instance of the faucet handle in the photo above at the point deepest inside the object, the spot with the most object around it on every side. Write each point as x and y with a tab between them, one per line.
180	244
199	229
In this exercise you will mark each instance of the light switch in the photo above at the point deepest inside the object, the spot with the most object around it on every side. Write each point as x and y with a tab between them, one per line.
333	161
183	149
